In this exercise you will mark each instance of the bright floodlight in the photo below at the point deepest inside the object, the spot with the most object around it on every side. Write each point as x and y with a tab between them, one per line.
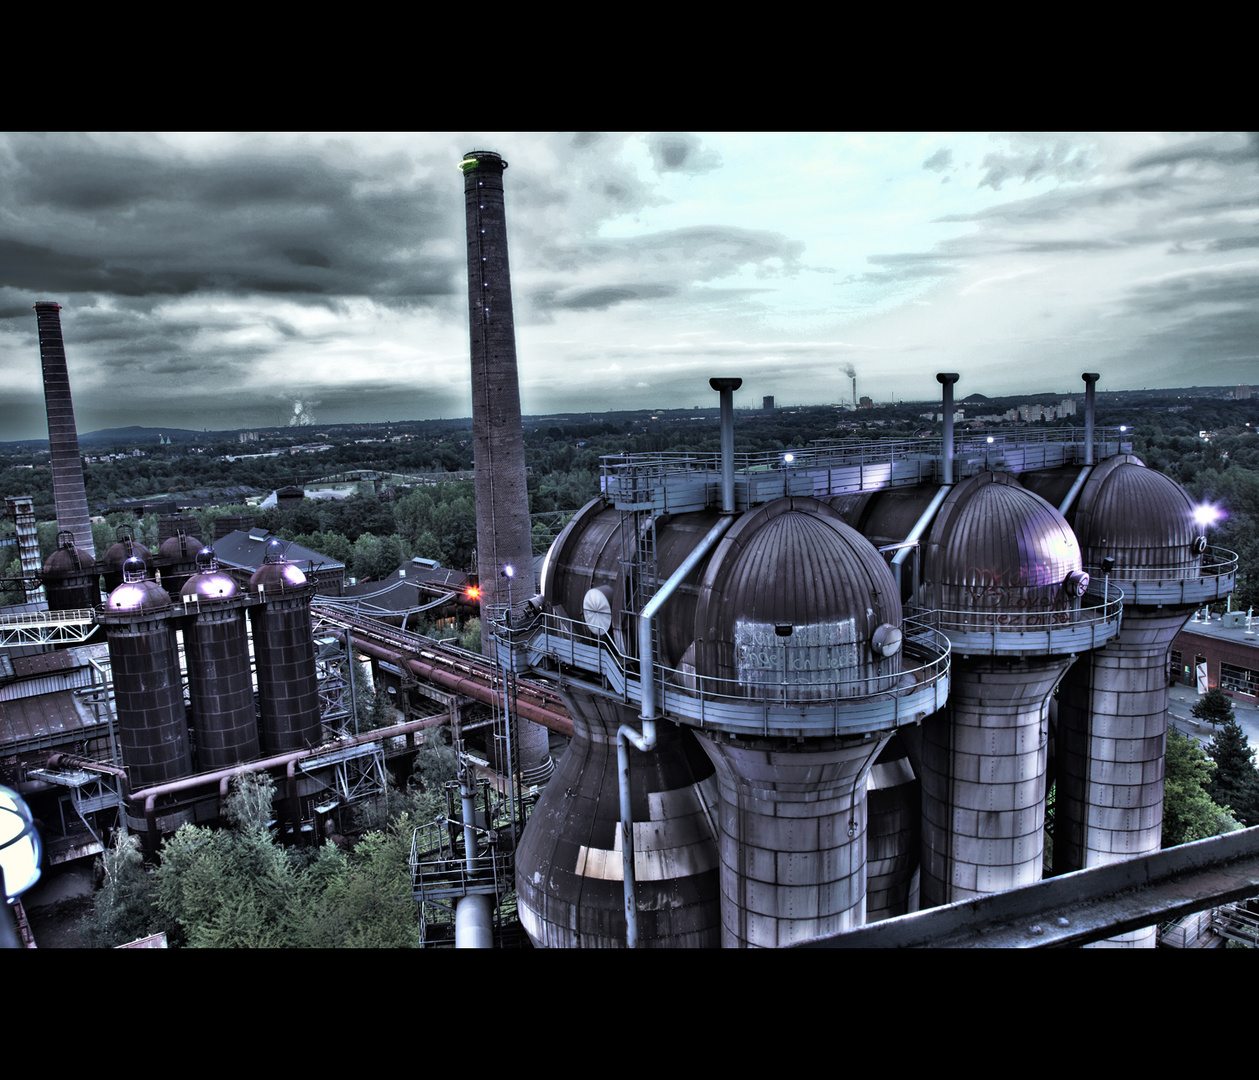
508	571
789	458
20	847
1206	514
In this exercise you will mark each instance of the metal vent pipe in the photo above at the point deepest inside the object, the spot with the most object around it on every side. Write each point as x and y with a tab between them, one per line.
1089	377
726	388
947	379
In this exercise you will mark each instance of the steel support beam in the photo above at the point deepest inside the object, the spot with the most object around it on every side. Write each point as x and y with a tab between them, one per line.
1081	907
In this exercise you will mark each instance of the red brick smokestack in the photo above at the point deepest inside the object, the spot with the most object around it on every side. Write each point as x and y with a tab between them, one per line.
503	531
63	436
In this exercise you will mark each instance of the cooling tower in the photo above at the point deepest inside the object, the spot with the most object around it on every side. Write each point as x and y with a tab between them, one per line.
63	436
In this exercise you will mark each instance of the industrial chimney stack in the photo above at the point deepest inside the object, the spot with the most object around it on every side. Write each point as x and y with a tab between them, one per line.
504	536
63	437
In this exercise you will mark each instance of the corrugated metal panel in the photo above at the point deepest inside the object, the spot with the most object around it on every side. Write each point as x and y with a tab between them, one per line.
48	684
57	716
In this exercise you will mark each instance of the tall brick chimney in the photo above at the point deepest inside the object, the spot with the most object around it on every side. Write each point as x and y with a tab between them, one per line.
502	500
63	437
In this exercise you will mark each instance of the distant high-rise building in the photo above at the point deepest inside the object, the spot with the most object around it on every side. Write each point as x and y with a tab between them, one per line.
63	436
767	403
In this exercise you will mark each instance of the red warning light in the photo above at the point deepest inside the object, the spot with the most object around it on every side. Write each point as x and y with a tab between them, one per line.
473	593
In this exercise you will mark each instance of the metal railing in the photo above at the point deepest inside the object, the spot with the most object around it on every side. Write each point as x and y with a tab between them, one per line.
862	701
998	624
680	480
1211	578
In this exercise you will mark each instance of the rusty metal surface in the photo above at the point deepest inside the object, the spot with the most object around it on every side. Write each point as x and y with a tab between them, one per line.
1079	908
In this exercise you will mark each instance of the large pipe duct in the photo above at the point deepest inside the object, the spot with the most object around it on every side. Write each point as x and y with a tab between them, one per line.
504	536
63	436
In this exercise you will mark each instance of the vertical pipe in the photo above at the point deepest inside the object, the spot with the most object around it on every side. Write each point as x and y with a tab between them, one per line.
63	436
726	388
947	379
1089	378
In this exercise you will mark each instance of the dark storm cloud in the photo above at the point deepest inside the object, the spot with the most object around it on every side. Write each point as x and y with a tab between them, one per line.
599	298
1219	149
1217	289
1062	162
904	266
81	215
681	153
672	263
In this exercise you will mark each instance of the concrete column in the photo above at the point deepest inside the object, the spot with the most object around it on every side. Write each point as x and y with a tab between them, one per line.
792	819
1111	749
983	779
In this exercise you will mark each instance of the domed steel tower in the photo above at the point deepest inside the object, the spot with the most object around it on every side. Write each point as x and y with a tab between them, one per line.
220	686
796	609
1004	572
1137	528
148	689
284	655
569	875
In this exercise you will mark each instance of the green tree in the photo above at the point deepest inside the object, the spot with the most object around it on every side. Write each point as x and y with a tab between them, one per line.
1235	782
367	903
123	910
1214	706
1188	812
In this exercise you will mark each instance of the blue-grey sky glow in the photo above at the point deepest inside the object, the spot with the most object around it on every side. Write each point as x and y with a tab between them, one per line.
219	280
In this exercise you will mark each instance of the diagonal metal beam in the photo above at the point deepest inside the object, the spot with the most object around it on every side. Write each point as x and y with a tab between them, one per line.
1081	907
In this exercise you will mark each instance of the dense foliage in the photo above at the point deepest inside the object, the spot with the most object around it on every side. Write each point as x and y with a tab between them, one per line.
1188	811
238	888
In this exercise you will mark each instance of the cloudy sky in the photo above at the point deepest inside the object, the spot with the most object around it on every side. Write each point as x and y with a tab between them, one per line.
227	280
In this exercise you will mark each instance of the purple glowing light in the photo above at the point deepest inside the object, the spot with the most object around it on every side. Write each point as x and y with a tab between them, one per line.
1206	514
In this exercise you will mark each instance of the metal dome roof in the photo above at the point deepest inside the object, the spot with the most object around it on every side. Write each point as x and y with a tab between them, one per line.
212	585
282	575
792	584
68	559
996	544
138	597
180	548
124	549
1136	516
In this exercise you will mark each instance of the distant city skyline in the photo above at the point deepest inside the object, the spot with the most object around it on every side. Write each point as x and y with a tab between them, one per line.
229	281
